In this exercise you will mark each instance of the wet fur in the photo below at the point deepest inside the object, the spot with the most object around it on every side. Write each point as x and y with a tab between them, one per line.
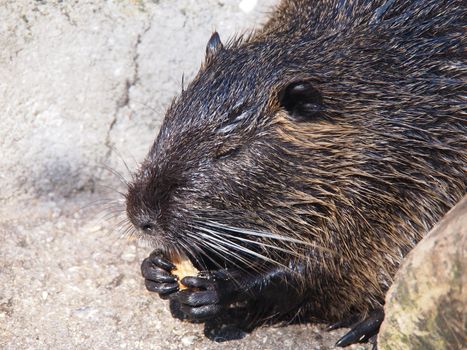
380	162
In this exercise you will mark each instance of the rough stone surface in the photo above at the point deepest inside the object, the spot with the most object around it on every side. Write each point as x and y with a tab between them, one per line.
83	87
70	281
426	306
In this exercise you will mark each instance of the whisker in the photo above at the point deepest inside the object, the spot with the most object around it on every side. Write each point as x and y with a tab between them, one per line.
114	190
244	240
201	251
262	244
262	234
223	253
119	154
254	233
238	247
121	178
192	249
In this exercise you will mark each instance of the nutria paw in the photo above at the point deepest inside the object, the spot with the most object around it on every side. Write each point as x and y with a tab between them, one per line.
206	296
158	278
364	330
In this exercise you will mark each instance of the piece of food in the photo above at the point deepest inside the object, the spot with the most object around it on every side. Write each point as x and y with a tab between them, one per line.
183	268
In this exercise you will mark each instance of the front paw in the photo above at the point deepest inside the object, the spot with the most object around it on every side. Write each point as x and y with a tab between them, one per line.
156	269
207	295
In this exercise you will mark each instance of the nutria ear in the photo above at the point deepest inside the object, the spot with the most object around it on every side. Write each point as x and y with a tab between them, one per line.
214	46
302	101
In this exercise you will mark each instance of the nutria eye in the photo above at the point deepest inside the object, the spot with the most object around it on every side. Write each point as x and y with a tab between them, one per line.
302	101
224	153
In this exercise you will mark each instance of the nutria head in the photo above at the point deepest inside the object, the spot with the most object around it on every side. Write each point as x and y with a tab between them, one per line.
226	155
314	147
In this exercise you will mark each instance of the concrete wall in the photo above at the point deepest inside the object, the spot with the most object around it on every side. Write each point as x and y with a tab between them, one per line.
84	85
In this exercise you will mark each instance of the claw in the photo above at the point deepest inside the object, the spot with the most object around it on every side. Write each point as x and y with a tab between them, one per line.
363	330
342	324
159	260
158	278
198	282
206	297
161	288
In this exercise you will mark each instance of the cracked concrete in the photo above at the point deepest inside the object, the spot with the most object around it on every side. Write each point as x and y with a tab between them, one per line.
83	88
60	74
85	85
124	99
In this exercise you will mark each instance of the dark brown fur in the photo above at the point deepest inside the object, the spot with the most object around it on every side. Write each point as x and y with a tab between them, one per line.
381	160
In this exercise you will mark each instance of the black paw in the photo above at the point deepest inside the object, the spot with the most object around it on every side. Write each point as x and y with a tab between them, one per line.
206	296
158	278
364	330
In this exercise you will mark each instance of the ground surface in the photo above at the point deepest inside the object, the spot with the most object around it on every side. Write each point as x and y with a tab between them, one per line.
69	281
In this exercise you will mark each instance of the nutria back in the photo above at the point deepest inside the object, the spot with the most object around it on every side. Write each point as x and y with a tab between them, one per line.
333	138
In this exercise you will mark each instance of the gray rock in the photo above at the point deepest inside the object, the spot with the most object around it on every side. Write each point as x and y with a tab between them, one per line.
84	85
425	307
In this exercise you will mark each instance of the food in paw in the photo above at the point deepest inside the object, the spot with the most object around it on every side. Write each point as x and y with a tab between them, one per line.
183	268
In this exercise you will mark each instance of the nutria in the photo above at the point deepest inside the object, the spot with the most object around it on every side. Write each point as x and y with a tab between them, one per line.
305	160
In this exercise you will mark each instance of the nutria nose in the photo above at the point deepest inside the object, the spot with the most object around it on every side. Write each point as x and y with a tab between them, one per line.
147	226
148	200
144	220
